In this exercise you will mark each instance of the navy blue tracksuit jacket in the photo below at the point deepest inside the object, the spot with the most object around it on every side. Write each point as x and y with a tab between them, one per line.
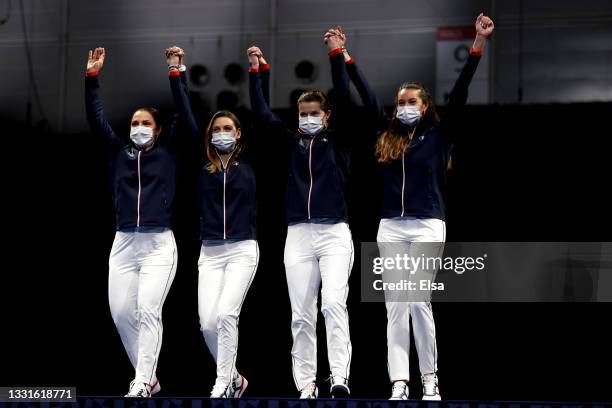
143	181
319	164
228	205
414	185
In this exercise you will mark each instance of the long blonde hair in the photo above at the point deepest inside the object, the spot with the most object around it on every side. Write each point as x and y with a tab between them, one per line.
392	143
214	164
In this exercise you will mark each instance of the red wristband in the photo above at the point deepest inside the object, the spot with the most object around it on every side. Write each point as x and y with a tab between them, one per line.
350	61
92	73
265	67
253	69
475	53
335	52
174	73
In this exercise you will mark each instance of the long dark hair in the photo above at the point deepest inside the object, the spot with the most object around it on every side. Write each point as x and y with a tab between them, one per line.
392	143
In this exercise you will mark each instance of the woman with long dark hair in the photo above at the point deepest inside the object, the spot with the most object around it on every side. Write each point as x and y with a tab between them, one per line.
143	258
414	149
229	253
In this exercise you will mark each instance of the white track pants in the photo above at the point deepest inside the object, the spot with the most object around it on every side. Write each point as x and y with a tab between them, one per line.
226	273
319	256
399	313
141	270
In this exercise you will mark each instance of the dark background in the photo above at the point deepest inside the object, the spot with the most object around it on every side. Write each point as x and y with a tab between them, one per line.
521	173
533	165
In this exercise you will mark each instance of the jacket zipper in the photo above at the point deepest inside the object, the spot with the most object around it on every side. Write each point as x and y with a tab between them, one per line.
225	169
310	171
404	168
403	182
139	192
224	215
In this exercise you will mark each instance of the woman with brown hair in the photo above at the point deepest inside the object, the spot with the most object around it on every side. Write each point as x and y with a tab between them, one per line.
143	258
414	149
229	252
319	247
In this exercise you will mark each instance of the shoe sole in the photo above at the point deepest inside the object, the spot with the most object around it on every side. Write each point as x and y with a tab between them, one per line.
432	398
340	391
146	396
136	396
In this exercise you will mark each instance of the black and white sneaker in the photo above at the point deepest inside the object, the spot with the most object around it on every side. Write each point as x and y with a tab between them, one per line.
339	387
309	392
139	390
399	391
430	387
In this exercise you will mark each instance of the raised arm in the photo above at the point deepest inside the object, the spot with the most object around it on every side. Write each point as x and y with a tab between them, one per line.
177	62
340	116
368	97
180	93
93	103
335	39
262	110
264	73
459	93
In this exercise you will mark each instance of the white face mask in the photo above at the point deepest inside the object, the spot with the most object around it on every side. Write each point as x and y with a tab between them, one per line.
408	115
224	141
142	136
311	124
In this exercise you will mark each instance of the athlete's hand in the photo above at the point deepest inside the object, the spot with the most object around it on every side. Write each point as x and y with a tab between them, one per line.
484	28
262	60
174	55
484	25
334	38
254	54
95	61
342	35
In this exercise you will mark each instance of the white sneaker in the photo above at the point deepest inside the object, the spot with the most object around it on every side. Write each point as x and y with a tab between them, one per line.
155	387
139	390
399	391
339	387
430	387
309	392
238	386
220	391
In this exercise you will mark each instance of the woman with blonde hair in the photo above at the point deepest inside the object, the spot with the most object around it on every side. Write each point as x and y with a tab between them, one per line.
229	254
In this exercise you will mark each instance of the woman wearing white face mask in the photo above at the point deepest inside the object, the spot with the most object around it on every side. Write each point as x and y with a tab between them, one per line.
319	247
414	148
229	252
143	258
